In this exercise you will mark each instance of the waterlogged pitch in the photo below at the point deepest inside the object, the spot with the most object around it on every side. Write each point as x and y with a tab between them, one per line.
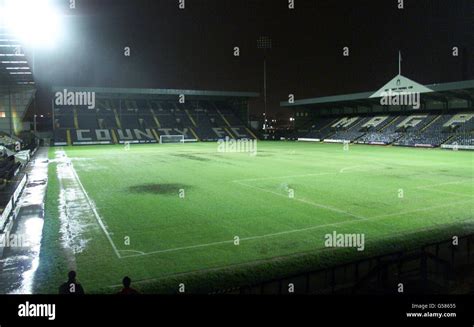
191	216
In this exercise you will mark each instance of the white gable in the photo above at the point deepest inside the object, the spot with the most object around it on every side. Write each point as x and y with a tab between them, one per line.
401	84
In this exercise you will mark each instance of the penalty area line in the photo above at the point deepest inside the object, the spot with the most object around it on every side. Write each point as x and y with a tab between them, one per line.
250	238
263	260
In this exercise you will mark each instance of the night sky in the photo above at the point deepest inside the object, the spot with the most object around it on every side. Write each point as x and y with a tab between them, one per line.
193	48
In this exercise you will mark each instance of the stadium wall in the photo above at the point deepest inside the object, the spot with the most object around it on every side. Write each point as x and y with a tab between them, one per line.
8	214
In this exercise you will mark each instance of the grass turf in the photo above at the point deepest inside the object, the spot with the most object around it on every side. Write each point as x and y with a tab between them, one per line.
398	197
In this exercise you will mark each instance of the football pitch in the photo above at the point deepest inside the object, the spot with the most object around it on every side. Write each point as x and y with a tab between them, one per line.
166	214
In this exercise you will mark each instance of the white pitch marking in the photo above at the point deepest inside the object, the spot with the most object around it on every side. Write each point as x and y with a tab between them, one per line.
269	259
92	206
305	201
350	167
277	177
179	248
303	175
359	218
446	192
446	183
293	231
421	209
247	263
430	188
136	251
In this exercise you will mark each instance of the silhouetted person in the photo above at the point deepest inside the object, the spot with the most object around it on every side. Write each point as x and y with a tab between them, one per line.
126	287
71	286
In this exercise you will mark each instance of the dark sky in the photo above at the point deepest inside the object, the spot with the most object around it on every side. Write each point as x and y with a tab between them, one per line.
193	48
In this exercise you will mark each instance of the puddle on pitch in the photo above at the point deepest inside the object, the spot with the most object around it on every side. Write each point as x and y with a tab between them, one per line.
162	189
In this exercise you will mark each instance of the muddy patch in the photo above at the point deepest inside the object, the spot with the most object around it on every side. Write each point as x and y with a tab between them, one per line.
37	183
162	189
191	157
32	210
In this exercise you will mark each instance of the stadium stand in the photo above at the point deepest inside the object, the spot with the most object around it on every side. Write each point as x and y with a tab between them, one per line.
319	129
442	115
8	167
423	129
462	139
386	134
64	119
15	153
87	118
378	138
430	135
352	132
106	118
139	120
9	141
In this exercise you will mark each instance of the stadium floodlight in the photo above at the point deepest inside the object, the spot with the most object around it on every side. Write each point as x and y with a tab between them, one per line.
265	43
34	22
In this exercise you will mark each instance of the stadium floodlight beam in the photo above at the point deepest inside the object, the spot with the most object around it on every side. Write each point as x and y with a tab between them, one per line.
265	43
34	22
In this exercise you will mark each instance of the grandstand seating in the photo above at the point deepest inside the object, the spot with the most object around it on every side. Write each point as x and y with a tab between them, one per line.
8	167
145	120
421	129
385	134
462	139
430	135
121	121
9	164
65	120
320	129
379	138
8	141
87	118
105	118
351	133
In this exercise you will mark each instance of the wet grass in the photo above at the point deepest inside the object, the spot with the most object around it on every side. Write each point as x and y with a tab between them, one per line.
191	157
53	267
161	189
190	239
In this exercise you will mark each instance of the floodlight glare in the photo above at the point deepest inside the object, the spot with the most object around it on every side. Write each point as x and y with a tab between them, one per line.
34	22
